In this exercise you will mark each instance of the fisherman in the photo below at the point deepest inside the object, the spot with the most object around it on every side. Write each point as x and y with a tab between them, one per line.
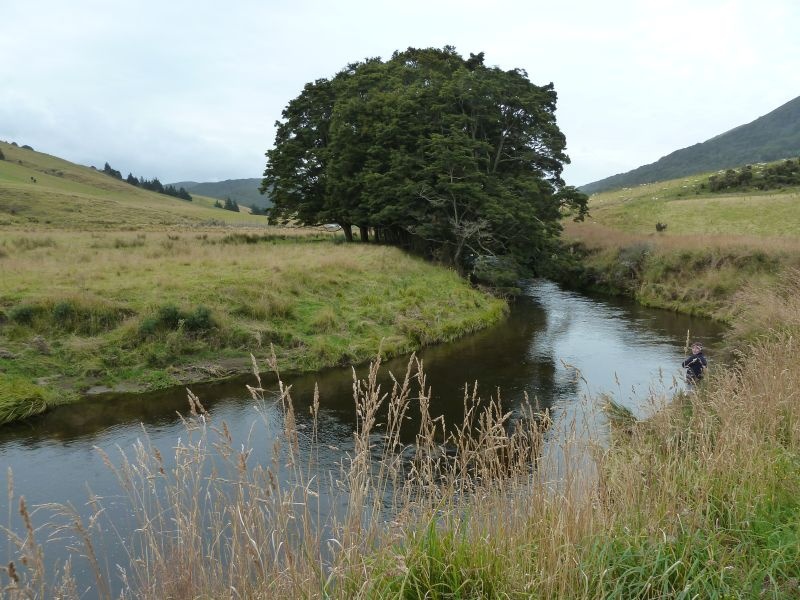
695	365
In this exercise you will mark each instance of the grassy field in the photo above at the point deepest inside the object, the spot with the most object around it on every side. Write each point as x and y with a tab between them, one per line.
687	209
715	250
108	285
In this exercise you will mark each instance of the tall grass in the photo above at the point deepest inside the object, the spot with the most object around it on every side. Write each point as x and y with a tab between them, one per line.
702	500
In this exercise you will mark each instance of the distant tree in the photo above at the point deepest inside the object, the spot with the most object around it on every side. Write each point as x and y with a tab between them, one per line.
257	210
218	204
132	180
112	172
231	205
2	156
26	147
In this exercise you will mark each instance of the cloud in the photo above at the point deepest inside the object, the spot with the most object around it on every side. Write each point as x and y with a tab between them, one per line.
191	90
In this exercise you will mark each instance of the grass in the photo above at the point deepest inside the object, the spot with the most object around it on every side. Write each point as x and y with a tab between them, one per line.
118	307
700	501
70	196
688	210
714	250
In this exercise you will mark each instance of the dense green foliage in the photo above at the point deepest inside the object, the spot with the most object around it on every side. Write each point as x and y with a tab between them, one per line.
760	177
772	137
429	151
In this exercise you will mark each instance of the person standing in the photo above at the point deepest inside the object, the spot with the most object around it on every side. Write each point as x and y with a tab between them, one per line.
695	365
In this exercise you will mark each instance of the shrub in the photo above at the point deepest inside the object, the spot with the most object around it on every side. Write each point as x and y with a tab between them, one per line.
24	314
496	271
199	320
19	398
169	316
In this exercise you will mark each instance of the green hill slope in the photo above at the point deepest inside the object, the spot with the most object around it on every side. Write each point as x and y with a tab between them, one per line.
774	136
243	191
37	188
687	206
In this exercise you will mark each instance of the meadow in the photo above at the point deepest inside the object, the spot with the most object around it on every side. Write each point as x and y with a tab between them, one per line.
687	207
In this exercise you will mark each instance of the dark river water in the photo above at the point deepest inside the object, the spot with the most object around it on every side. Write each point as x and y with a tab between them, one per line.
561	348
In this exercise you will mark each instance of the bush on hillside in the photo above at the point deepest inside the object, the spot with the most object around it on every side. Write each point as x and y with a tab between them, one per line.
761	177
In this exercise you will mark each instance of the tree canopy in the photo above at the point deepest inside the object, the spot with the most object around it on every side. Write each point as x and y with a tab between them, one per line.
427	150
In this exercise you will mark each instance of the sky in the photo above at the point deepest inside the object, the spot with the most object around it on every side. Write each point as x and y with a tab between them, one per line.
190	90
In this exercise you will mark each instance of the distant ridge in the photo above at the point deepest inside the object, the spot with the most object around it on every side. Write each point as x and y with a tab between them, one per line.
774	136
243	191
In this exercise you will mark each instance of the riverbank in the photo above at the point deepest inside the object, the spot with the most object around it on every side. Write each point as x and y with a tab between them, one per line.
708	275
147	309
699	501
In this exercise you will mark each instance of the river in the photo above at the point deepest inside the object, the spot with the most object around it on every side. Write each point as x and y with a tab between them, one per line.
559	347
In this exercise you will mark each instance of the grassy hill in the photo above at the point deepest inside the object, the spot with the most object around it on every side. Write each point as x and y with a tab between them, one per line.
66	195
243	191
771	137
687	206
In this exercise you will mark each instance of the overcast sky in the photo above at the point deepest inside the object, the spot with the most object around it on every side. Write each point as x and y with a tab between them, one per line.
190	90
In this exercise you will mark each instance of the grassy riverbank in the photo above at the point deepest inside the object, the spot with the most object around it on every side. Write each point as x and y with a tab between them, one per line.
142	310
717	251
701	501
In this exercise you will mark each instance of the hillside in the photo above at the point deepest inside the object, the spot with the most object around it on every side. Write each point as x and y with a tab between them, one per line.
688	207
774	136
243	191
36	188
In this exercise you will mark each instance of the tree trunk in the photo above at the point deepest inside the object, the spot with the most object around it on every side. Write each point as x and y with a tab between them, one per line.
363	231
347	228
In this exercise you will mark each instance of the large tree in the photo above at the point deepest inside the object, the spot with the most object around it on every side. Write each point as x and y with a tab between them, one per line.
428	150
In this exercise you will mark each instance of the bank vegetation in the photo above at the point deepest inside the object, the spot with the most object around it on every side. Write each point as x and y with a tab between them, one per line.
147	309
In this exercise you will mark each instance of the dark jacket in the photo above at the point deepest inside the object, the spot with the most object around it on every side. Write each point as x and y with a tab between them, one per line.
694	366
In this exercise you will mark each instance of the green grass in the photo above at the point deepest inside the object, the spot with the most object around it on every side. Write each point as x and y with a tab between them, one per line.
140	309
715	249
20	398
71	196
687	210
